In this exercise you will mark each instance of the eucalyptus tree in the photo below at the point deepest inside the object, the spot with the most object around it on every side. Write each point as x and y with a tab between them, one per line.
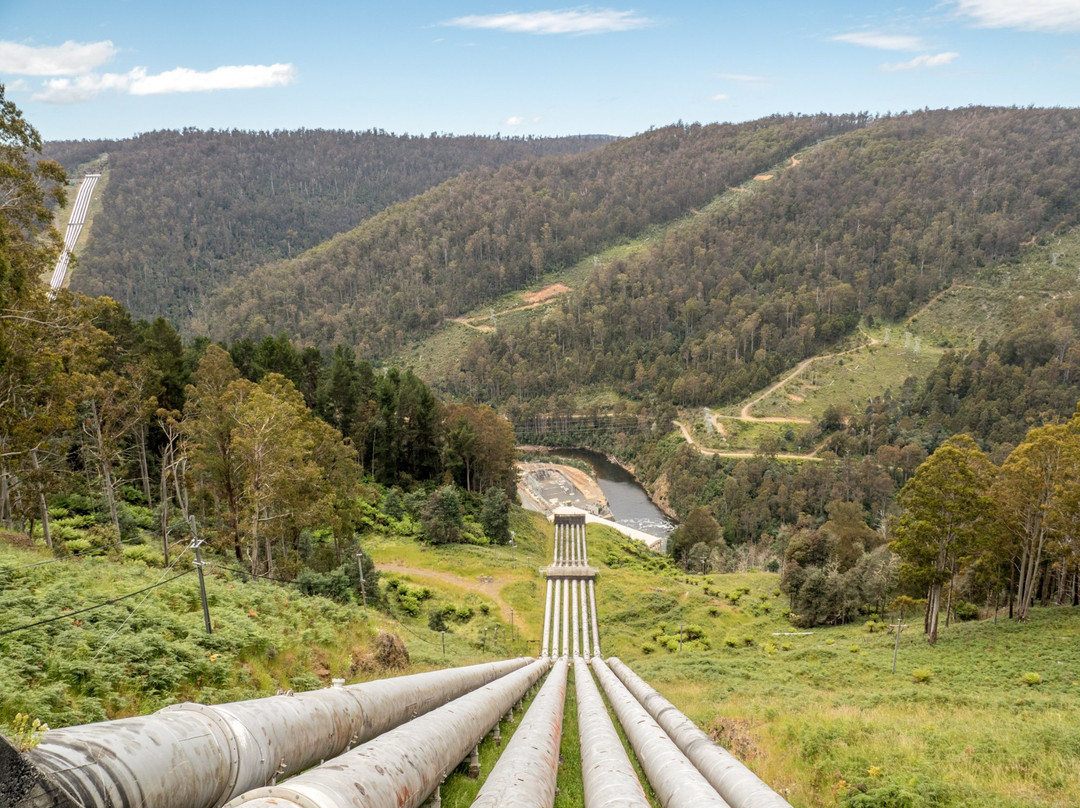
944	509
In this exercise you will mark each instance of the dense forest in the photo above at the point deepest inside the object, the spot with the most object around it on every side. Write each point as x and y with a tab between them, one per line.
868	225
184	212
497	230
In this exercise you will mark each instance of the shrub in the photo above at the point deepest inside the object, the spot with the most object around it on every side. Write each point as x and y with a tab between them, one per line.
966	611
1031	679
648	648
921	675
731	642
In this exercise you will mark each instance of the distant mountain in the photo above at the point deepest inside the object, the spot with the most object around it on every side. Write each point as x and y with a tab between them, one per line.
184	212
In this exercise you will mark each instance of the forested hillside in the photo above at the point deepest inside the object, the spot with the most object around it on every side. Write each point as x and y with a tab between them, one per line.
496	230
869	224
183	212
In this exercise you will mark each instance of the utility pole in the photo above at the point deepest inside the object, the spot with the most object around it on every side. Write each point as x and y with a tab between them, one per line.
196	543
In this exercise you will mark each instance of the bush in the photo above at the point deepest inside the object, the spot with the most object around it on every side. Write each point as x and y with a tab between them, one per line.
921	675
966	611
1031	679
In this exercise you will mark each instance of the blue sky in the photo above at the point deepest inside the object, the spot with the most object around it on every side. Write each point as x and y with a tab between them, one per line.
115	68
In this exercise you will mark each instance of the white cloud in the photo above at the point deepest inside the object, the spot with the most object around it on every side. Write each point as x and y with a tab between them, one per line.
231	77
83	88
876	39
68	59
564	21
180	80
719	97
1053	16
514	120
926	60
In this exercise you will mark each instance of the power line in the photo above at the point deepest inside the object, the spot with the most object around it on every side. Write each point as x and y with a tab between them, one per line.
97	606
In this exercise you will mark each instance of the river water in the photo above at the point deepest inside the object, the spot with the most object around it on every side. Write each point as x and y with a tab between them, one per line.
629	503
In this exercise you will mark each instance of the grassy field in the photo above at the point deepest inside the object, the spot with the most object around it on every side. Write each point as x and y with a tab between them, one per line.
819	716
984	719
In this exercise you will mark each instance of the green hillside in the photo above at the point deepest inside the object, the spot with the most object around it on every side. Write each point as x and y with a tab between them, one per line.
984	718
186	212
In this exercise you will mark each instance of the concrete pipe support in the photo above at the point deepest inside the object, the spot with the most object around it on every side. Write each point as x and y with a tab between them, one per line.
608	778
198	756
404	766
525	774
675	781
735	783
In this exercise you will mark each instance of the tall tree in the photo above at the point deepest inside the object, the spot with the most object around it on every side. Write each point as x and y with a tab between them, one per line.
944	505
1034	494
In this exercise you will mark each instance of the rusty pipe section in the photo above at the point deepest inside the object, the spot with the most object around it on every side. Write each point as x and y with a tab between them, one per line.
732	780
404	766
525	774
674	779
198	756
608	778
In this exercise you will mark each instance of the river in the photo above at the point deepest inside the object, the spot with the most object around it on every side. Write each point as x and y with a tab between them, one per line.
627	500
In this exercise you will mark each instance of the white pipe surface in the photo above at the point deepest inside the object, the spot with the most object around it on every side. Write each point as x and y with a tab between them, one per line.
595	626
525	774
547	621
574	616
198	756
735	783
608	778
404	766
674	779
565	616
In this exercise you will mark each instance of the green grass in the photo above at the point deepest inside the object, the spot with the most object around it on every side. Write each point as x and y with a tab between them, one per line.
852	380
989	722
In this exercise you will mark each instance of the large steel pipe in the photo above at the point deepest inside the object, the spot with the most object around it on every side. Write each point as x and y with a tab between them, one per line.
735	783
404	766
197	756
574	617
595	626
525	774
556	619
607	776
565	584
674	779
547	621
585	649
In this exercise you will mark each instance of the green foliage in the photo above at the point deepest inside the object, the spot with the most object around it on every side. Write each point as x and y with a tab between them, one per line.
26	734
1030	678
921	675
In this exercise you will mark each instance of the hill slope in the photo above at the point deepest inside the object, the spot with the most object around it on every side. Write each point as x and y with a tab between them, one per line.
493	231
185	212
